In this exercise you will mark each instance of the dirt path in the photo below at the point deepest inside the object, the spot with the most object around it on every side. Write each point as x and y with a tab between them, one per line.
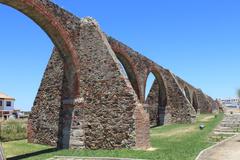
228	150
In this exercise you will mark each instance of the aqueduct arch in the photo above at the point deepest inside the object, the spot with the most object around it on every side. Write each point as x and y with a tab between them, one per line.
42	13
45	15
65	107
187	92
195	102
156	100
125	60
89	98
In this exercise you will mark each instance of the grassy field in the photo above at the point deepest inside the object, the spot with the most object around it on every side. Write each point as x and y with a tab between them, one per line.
172	142
13	130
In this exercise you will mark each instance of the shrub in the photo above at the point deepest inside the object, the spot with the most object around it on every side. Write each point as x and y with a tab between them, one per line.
13	130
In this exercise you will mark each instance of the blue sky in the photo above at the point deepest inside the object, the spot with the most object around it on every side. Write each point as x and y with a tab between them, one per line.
198	40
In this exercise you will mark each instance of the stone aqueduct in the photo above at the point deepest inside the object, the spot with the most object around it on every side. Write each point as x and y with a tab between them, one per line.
86	101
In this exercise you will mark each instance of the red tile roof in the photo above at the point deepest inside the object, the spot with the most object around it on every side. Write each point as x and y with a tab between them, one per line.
4	96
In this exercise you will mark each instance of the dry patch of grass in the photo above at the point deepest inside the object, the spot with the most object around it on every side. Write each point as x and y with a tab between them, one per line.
177	132
207	118
151	149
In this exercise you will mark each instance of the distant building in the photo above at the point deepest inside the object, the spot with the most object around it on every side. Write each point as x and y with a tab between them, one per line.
231	102
6	102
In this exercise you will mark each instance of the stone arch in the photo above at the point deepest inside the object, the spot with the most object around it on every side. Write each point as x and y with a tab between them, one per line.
126	62
187	93
156	101
45	18
195	101
44	14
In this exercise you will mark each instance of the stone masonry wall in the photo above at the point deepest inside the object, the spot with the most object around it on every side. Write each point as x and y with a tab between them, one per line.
204	102
106	95
120	120
153	105
177	108
44	119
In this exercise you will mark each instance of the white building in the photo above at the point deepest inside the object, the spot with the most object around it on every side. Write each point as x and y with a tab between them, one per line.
231	102
6	102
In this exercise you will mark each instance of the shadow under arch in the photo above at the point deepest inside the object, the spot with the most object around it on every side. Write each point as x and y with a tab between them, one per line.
130	71
156	100
187	93
195	102
43	15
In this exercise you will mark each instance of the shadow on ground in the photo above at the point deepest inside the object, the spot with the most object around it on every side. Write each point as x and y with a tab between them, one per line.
28	155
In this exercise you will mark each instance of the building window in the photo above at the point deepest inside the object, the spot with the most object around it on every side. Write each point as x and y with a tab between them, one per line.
9	104
1	103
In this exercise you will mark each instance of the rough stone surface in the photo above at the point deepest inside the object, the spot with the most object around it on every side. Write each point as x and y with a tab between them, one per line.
44	119
85	100
106	113
171	103
200	101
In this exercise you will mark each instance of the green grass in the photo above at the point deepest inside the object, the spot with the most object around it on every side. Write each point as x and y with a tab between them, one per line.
20	147
13	130
172	142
